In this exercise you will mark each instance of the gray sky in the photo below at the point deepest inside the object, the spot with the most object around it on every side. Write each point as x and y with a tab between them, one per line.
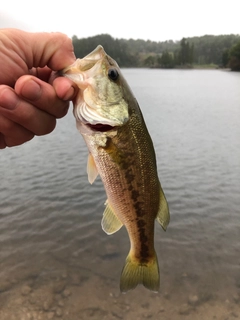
155	20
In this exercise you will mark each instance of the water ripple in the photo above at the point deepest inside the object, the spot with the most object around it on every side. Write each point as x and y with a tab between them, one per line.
50	213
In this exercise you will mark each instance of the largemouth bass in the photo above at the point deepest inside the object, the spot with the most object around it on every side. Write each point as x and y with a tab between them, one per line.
122	153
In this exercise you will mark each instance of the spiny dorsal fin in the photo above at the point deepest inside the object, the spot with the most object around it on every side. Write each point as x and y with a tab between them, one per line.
91	169
163	216
110	222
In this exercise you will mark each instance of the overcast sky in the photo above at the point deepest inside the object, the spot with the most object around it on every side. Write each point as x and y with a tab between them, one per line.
155	20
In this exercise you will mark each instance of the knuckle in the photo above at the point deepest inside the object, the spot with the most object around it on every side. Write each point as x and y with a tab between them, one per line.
46	128
18	140
2	142
63	111
7	126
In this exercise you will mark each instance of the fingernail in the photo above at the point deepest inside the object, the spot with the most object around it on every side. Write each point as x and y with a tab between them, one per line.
31	90
8	99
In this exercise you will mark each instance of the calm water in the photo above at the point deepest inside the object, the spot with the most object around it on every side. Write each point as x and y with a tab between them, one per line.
50	215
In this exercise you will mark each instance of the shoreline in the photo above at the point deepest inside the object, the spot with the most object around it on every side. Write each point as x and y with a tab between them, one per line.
195	67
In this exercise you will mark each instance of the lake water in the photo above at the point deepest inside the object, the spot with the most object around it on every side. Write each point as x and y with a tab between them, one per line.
55	260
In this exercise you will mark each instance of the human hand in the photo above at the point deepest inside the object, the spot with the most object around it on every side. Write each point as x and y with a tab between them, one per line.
31	96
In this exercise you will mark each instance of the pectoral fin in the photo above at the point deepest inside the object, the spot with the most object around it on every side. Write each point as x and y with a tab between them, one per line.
91	169
163	216
110	222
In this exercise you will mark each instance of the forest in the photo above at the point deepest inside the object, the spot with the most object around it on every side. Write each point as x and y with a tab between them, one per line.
207	51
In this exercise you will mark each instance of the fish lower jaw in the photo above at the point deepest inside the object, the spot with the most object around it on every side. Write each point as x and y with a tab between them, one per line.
95	126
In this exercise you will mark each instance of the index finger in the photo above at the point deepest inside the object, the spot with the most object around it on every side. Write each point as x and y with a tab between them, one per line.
42	95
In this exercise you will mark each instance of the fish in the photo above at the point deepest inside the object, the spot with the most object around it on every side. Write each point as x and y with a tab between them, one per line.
121	151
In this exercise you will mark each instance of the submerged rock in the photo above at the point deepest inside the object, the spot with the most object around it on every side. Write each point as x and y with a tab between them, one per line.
50	315
59	312
26	290
66	293
58	286
47	305
236	298
5	286
193	300
185	309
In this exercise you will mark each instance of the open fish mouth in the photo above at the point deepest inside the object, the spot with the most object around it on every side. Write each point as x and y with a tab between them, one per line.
100	127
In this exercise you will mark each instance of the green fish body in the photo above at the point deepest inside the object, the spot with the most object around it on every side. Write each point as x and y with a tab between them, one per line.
122	153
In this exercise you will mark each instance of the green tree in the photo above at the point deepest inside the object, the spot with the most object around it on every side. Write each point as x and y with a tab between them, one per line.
131	53
149	61
166	60
176	57
234	61
186	52
183	54
114	47
225	58
191	54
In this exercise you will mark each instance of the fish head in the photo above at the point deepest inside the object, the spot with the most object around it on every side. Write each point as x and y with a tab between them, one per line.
101	102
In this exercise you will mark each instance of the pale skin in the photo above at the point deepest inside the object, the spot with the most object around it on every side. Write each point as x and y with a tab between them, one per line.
32	97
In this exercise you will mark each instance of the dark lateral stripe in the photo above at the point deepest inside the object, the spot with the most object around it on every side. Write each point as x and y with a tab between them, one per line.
144	248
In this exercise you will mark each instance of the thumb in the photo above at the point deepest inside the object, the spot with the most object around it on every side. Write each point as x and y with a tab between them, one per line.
52	49
41	48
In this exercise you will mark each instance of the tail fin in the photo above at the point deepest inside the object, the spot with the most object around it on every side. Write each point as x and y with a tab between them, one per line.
135	273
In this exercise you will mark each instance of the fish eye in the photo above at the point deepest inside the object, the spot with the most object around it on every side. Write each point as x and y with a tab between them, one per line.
113	74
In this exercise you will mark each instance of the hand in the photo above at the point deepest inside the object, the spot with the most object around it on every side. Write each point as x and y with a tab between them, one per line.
31	96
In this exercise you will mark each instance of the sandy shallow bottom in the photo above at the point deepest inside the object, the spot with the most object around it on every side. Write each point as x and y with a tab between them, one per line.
77	293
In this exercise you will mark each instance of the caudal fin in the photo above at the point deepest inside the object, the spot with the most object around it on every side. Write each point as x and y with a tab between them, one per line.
135	273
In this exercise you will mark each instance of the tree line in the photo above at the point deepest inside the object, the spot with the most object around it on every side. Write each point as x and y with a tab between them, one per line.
218	51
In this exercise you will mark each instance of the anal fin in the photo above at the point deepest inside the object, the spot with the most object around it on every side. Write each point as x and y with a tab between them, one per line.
110	222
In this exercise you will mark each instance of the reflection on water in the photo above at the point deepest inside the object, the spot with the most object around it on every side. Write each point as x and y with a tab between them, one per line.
56	262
